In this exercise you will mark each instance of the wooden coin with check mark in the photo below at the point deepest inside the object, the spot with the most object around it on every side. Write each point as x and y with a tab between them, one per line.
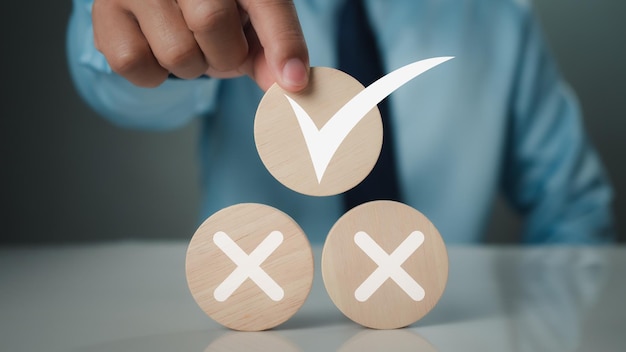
326	139
318	142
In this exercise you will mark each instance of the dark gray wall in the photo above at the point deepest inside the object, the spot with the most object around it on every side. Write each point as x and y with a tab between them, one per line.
69	176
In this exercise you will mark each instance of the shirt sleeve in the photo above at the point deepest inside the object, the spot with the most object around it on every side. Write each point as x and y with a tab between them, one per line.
170	105
553	175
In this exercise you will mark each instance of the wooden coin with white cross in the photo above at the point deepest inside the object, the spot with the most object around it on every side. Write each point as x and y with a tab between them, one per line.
384	265
323	140
249	267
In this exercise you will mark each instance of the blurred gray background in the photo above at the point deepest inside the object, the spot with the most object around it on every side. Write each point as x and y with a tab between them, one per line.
68	176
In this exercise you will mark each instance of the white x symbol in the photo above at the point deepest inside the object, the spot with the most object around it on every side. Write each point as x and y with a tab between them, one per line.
389	266
248	266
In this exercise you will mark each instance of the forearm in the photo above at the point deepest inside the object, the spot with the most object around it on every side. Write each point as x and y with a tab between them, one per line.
553	174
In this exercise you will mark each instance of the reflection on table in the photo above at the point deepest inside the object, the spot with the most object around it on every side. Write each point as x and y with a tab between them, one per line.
133	297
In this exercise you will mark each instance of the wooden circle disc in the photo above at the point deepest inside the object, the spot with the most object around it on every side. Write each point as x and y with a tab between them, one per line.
249	267
384	265
293	135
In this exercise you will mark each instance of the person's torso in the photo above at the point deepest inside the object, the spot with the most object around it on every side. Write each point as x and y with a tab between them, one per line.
450	123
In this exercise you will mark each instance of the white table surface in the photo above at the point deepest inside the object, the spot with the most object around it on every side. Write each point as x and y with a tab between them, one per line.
132	296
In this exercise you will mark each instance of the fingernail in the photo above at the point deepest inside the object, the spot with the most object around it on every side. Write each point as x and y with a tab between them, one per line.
295	74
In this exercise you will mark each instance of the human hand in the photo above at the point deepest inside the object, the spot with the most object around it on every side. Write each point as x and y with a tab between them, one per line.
145	40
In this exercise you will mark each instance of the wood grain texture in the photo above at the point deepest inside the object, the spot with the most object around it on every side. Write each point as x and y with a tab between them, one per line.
290	265
282	148
345	266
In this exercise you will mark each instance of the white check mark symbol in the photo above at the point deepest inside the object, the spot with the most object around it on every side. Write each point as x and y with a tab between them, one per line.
323	143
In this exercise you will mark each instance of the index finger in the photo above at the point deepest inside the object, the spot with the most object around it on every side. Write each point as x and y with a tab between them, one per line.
278	29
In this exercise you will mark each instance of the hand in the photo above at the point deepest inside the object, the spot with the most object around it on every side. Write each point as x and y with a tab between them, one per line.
145	40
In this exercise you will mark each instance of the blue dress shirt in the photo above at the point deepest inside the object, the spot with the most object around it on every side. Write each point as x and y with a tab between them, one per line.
497	118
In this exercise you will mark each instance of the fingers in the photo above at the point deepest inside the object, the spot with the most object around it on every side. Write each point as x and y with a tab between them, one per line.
278	29
118	36
146	40
171	41
217	28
